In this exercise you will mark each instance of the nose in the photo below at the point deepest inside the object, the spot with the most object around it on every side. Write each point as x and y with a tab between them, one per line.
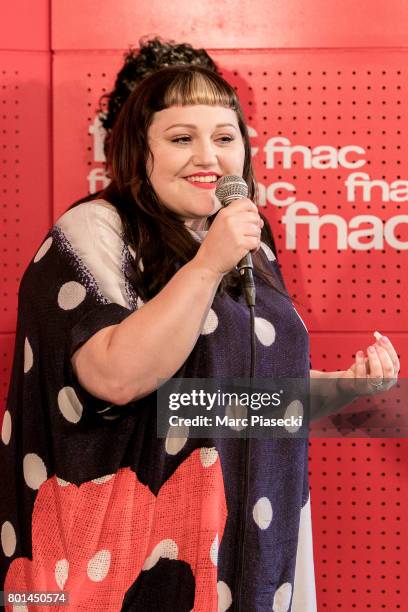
204	153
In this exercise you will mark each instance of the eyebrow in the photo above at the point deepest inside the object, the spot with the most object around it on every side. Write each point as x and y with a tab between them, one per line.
194	127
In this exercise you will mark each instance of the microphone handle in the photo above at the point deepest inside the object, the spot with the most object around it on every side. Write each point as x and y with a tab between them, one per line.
245	265
245	268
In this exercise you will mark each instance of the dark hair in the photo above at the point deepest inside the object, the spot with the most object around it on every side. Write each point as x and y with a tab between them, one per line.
152	230
151	56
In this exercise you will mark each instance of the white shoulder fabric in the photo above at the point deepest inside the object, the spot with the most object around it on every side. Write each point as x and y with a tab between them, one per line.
94	231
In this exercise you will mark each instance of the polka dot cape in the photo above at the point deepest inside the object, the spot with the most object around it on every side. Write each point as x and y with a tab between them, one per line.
93	503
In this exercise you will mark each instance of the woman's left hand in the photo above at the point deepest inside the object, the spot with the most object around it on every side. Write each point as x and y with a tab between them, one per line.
373	374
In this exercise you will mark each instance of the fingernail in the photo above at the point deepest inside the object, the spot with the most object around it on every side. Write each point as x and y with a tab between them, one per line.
360	354
384	339
371	349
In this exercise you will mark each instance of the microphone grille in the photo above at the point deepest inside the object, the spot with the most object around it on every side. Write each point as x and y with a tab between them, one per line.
231	188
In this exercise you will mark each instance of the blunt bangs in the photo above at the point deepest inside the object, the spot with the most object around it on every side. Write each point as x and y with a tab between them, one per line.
189	88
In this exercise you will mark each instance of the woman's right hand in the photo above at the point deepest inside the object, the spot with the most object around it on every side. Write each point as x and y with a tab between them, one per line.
235	231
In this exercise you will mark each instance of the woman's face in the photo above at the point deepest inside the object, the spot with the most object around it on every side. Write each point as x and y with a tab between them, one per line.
192	146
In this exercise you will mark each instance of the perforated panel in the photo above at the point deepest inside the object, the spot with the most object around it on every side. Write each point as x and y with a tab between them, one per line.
337	100
357	489
79	81
25	169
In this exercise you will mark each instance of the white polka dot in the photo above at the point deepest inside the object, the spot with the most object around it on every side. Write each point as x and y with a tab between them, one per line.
139	302
281	601
62	483
6	428
167	549
265	331
35	472
208	456
210	323
43	249
98	566
262	513
268	251
224	596
236	412
69	404
214	551
71	295
8	539
103	479
61	572
28	356
176	439
294	409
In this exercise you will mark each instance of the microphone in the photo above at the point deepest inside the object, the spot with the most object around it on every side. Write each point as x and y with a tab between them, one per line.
231	188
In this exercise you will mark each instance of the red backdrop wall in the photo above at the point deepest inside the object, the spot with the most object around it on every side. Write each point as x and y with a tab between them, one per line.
318	74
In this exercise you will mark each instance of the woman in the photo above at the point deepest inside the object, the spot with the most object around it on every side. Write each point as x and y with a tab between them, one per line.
124	291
